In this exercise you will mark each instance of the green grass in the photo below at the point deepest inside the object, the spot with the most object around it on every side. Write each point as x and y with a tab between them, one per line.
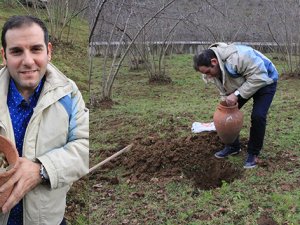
144	110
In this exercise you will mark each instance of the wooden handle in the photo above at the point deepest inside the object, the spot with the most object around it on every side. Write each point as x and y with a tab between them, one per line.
127	148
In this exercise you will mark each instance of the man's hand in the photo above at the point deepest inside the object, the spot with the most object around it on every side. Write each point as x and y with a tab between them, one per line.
26	177
231	100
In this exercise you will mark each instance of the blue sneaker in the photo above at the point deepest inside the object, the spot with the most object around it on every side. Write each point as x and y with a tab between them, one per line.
227	151
250	162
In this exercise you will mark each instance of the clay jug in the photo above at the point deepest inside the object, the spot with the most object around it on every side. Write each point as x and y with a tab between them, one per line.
12	157
228	121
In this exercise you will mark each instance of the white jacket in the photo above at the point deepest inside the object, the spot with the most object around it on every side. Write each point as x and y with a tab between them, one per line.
243	68
57	135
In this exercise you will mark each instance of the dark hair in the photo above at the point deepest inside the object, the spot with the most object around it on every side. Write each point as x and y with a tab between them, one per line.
19	21
204	59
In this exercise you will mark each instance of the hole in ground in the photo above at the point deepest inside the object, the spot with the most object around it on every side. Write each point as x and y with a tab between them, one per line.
191	157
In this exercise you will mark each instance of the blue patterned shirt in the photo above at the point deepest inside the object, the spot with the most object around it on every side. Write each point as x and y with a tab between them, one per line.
20	114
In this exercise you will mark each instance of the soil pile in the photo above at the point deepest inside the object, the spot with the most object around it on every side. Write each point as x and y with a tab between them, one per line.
265	219
189	157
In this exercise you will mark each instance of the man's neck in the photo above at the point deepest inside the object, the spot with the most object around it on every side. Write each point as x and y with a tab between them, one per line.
26	93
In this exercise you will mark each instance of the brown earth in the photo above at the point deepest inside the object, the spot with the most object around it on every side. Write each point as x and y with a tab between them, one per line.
189	157
78	203
265	219
288	76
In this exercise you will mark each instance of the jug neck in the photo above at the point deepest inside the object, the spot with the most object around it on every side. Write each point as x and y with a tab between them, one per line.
224	107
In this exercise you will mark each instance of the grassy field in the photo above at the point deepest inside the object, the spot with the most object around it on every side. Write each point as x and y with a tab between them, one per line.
265	194
71	58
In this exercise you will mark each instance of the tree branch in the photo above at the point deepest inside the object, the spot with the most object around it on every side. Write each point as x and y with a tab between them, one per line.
96	20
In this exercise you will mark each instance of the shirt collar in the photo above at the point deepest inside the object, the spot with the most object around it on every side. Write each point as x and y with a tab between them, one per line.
17	98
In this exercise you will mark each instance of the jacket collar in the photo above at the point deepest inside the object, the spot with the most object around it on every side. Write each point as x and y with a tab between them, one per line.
55	87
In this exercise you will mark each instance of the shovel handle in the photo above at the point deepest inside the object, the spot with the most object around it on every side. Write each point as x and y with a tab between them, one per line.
127	148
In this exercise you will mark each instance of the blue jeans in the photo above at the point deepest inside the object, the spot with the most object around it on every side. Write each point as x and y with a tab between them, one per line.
63	222
262	100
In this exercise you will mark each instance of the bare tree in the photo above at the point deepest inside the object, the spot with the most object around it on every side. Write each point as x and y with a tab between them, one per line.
95	22
61	13
286	33
148	49
97	6
107	80
119	56
142	33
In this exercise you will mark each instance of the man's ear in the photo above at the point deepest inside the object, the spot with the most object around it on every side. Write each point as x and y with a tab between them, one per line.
49	51
3	56
214	62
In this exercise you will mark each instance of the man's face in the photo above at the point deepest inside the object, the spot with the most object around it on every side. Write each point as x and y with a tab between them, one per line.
26	56
211	71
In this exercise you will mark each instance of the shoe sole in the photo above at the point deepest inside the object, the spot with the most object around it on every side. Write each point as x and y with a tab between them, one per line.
234	153
250	167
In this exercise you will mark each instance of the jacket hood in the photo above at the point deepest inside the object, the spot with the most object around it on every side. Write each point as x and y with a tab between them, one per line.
223	50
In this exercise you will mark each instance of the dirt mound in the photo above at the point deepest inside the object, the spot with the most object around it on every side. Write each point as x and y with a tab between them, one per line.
265	219
288	76
190	157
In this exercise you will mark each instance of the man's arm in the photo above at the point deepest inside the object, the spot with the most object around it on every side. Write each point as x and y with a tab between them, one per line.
68	163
